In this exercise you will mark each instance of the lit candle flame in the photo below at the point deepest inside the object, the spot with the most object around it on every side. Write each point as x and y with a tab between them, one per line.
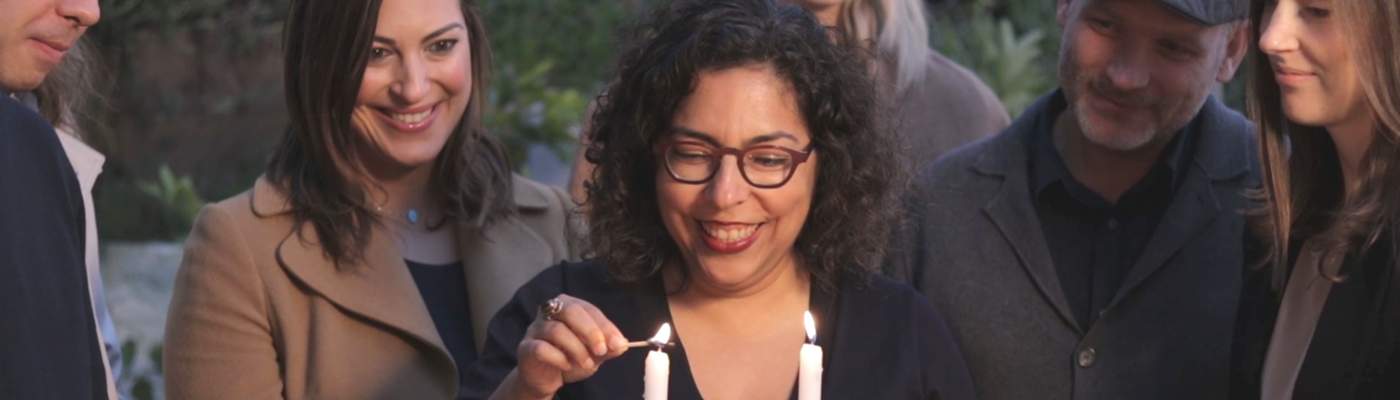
810	325
663	335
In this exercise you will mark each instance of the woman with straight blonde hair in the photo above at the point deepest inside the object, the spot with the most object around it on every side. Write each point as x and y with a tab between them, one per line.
936	105
1321	319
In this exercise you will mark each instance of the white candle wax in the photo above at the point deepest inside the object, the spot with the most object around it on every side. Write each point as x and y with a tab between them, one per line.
658	367
658	373
809	373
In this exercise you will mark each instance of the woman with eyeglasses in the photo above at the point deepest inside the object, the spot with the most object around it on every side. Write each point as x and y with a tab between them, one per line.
741	182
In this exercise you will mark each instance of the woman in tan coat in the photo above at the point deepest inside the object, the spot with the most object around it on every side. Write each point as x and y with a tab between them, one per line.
387	228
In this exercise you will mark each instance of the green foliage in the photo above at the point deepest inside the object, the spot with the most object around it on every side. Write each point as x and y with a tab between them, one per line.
251	17
551	56
177	198
531	111
140	380
1007	51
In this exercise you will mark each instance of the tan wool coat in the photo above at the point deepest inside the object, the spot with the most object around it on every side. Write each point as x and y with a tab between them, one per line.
261	313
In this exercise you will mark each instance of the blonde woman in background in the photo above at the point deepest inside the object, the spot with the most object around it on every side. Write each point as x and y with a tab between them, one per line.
937	105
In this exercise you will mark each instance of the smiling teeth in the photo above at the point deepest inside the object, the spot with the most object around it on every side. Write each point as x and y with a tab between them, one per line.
412	118
729	233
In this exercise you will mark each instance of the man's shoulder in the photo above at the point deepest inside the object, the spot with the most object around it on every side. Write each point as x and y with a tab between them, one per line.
972	161
20	124
1228	143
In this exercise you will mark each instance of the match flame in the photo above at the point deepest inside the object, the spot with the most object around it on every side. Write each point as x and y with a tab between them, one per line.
663	335
810	325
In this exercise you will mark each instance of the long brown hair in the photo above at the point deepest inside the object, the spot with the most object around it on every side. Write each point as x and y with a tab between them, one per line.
1303	193
70	96
326	45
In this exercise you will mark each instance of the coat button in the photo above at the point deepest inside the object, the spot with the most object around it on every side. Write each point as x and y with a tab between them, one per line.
1086	357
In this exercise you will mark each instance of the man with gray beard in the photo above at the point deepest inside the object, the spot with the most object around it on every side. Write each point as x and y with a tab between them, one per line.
1093	250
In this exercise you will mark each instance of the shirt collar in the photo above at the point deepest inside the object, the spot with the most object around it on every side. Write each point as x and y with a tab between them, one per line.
1047	167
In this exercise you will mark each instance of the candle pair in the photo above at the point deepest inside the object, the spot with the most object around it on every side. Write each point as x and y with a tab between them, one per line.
809	373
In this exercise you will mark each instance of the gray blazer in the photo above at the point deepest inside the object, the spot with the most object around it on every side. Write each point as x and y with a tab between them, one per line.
973	245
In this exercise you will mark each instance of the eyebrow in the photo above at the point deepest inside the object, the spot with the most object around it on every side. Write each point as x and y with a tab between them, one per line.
430	37
707	138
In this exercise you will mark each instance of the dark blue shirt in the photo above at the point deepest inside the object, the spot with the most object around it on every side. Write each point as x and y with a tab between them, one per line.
444	290
1094	242
882	340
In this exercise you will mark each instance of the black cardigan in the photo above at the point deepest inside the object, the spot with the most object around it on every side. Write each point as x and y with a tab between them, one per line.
1353	353
885	342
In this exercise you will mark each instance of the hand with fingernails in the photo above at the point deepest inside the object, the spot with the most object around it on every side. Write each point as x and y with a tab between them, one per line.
566	343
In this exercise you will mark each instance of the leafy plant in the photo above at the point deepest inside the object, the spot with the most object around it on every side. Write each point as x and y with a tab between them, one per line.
141	380
177	197
531	111
1011	60
551	57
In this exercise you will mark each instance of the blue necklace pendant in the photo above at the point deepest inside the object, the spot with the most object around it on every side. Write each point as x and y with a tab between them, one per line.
412	216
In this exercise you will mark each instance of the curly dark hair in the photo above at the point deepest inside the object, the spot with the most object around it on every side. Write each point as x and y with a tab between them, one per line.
846	228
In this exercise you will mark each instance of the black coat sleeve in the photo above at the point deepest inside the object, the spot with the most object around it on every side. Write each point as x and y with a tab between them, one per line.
945	371
505	331
48	340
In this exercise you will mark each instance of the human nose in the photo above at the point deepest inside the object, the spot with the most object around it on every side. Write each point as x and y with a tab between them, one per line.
1129	69
1277	35
83	13
728	188
411	84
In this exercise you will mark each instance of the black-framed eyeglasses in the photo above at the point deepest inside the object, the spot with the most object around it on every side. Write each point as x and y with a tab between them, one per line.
763	166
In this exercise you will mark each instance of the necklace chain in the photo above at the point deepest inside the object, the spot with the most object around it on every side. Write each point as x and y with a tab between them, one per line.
412	215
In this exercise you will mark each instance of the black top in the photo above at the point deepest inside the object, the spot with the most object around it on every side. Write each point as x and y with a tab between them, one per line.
1353	353
444	290
884	341
48	338
1094	242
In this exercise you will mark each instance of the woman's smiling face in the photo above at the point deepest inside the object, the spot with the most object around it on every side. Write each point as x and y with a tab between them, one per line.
1315	73
417	83
731	234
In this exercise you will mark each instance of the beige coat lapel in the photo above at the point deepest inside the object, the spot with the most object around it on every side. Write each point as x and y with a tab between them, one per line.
379	288
504	257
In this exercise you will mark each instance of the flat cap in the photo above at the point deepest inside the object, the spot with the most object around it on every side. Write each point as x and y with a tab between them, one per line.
1210	12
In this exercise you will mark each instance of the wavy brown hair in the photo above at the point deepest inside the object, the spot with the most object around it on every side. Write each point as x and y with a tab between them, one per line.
70	96
326	45
1303	194
846	229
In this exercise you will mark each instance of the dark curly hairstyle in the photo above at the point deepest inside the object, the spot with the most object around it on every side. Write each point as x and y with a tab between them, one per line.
846	228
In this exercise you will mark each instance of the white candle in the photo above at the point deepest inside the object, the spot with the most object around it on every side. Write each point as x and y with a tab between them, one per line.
809	373
658	371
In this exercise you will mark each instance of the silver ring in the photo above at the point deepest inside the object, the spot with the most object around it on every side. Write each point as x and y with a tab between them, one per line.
551	309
